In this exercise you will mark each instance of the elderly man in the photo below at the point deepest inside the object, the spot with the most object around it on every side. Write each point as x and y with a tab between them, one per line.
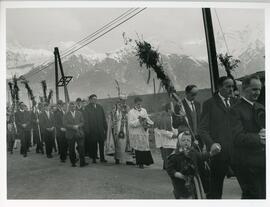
216	132
249	141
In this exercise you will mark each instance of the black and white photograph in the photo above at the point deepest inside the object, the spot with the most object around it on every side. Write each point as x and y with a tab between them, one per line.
134	101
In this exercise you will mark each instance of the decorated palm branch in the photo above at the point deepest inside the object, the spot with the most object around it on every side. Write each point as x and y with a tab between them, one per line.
229	64
29	91
46	98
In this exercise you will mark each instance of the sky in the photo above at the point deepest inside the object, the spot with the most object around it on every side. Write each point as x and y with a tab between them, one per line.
172	30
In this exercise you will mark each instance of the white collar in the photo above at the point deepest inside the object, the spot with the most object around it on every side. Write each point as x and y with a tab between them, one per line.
223	98
248	101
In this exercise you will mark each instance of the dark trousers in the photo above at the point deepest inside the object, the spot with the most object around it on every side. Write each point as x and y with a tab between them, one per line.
72	153
49	139
86	145
38	140
10	141
93	149
62	144
218	172
252	182
25	136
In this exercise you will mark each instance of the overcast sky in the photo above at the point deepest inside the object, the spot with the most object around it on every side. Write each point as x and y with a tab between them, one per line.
173	30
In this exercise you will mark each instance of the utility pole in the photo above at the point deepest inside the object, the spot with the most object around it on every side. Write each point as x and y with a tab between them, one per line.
64	80
211	49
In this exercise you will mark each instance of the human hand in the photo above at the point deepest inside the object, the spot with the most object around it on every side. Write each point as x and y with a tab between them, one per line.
24	125
179	175
215	148
63	129
262	134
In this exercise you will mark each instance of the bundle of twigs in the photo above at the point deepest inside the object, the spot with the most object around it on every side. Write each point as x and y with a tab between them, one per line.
16	90
150	57
30	92
229	64
44	89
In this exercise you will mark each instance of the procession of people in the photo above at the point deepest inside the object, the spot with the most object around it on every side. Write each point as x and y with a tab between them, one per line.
199	147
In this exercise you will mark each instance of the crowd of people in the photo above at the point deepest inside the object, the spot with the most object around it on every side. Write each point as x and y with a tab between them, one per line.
199	145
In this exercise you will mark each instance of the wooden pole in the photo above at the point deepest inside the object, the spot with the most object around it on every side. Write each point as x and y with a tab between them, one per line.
63	76
211	49
56	74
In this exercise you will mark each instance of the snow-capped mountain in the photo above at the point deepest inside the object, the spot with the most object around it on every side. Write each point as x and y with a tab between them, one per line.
96	72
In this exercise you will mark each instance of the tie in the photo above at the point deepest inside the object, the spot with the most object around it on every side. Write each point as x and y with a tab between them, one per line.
193	106
227	103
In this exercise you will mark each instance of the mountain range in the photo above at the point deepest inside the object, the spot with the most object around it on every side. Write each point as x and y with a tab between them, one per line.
96	73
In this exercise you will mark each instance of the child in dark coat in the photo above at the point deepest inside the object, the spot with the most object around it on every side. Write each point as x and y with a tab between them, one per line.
183	168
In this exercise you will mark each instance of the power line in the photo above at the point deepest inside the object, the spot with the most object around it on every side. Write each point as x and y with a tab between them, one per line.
129	11
66	54
223	35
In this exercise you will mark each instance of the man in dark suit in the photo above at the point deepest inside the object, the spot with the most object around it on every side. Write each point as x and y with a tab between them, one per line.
73	122
97	128
23	123
215	131
60	131
192	108
249	141
47	128
36	130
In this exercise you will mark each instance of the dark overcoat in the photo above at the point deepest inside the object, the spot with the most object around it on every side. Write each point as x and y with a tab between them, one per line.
246	124
96	124
215	126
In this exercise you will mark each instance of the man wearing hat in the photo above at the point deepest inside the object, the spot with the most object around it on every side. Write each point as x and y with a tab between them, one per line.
120	131
96	124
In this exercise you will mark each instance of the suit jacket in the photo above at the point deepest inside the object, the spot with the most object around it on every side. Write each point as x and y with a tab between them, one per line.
188	112
96	122
45	121
248	149
58	118
23	118
215	126
69	122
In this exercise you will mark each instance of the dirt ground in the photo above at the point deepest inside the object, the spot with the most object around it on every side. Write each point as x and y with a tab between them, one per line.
36	177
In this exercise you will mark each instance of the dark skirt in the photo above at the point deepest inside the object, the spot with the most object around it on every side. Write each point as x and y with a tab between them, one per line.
143	157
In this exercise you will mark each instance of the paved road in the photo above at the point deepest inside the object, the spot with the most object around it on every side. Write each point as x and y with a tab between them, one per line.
37	177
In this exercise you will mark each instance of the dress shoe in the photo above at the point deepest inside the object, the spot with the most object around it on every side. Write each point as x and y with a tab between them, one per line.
25	155
141	166
129	163
94	161
73	165
49	156
104	161
84	164
117	162
63	160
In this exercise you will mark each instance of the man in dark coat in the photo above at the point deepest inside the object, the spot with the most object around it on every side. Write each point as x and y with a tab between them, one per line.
23	123
192	108
37	130
215	131
47	129
73	122
249	141
97	128
60	131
